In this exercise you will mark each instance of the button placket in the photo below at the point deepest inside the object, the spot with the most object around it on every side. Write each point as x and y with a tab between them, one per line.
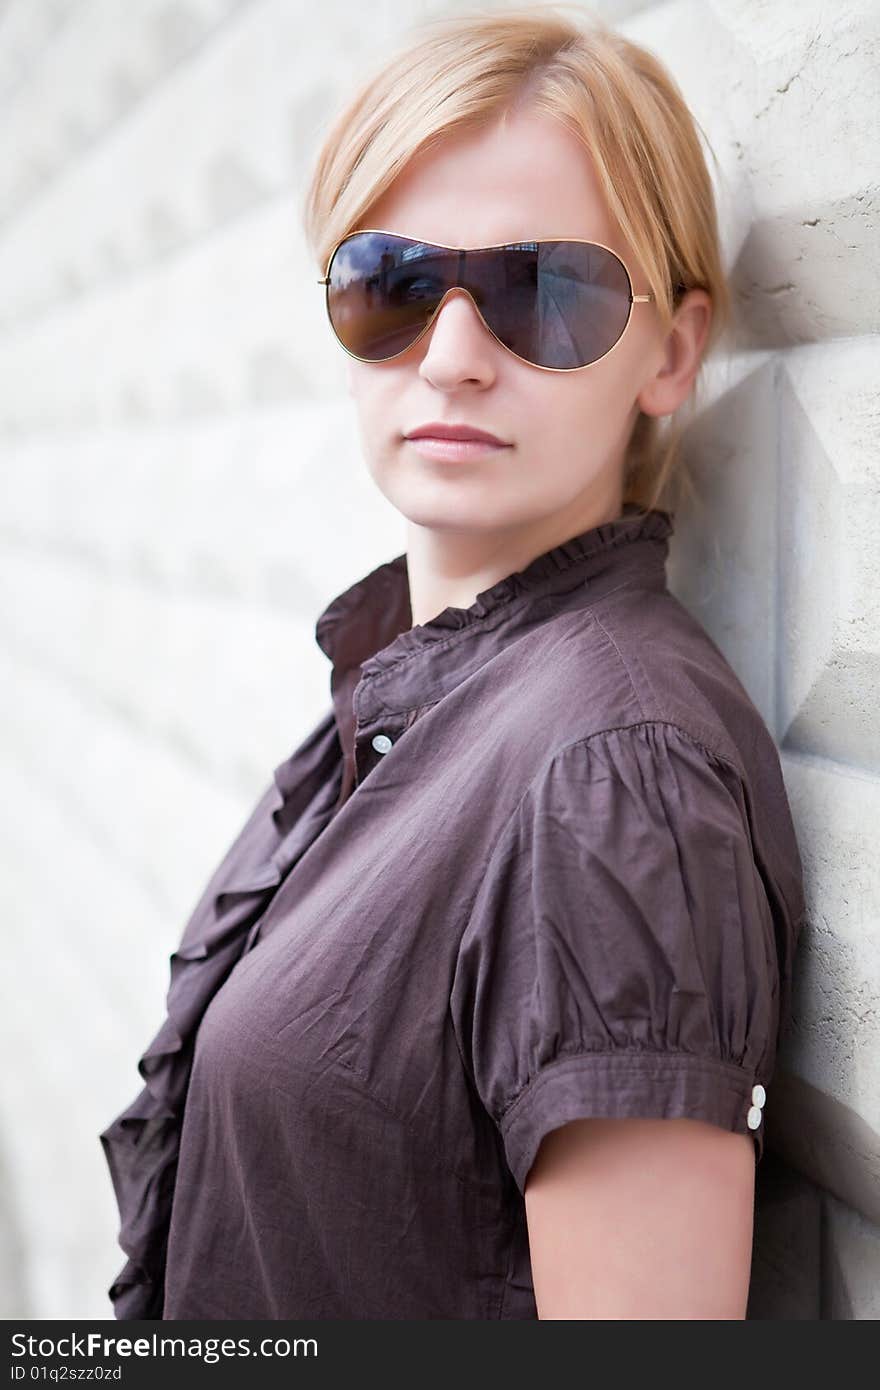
372	744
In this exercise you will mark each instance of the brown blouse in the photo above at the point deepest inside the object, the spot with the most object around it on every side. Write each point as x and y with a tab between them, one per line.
535	863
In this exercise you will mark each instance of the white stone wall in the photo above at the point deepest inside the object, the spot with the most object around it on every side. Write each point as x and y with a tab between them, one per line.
184	490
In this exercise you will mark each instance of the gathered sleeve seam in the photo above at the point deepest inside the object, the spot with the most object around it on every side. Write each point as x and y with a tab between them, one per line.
631	1059
655	721
704	1087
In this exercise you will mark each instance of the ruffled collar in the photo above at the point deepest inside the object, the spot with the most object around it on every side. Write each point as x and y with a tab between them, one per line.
383	663
369	625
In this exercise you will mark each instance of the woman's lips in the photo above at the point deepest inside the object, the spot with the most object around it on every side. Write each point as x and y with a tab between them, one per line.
453	450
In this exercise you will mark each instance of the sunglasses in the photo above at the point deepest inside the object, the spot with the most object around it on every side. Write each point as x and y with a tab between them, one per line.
558	305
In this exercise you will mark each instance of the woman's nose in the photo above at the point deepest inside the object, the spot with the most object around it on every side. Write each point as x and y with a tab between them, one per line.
457	333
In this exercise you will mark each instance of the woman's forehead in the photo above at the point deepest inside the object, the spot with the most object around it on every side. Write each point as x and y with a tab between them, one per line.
528	180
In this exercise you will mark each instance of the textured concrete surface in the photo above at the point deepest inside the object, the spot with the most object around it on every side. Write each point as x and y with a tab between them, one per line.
184	489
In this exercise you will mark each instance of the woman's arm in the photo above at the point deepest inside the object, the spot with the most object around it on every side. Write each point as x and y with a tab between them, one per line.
641	1218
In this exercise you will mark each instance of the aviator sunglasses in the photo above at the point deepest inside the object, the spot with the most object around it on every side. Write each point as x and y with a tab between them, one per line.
558	305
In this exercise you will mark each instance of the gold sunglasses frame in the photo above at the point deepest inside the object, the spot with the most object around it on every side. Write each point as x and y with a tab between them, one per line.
383	231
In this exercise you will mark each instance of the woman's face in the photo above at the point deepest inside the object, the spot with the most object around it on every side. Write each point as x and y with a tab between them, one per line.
567	431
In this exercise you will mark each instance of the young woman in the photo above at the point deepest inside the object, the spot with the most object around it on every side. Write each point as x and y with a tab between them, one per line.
478	1016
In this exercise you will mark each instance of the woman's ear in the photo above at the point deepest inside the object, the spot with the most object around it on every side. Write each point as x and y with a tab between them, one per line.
683	347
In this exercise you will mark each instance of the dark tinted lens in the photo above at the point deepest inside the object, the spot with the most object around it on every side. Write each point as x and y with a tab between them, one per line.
559	304
382	290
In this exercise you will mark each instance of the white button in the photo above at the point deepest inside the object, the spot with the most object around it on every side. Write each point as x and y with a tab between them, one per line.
759	1095
381	743
754	1117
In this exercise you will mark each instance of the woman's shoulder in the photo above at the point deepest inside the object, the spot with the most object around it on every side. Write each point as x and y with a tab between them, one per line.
635	679
638	656
646	704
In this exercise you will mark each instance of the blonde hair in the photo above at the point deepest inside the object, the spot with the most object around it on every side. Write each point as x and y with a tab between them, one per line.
467	70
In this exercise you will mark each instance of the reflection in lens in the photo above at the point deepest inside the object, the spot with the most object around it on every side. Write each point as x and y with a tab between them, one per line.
564	304
382	291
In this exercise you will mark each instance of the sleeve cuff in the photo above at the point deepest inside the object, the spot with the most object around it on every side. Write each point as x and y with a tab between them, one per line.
634	1085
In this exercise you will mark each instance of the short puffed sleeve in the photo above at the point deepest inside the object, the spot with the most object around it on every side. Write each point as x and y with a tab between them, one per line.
622	954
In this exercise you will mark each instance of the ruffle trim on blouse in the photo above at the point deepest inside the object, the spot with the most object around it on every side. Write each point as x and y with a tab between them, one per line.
141	1145
634	524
